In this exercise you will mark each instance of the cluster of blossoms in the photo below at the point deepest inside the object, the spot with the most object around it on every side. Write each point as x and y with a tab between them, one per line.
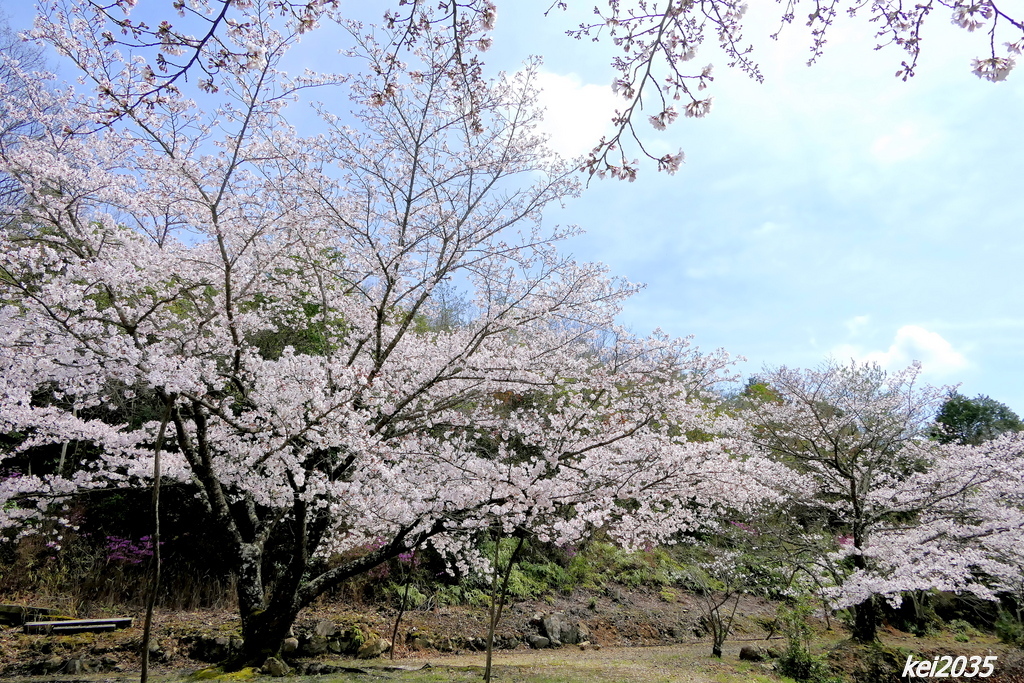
127	551
280	298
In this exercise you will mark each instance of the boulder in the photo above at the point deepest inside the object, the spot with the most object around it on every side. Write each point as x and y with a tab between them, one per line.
560	630
325	628
537	642
373	647
289	645
752	653
316	645
275	667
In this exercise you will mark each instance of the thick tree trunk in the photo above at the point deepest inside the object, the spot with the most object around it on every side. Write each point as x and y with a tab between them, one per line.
268	609
865	622
266	619
263	633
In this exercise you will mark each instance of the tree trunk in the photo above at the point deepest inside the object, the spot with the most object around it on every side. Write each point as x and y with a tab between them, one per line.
262	633
265	619
865	622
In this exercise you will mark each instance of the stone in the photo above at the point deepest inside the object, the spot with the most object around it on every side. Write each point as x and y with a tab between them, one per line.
289	645
52	664
537	642
554	626
325	628
585	645
374	647
316	645
752	653
275	667
560	630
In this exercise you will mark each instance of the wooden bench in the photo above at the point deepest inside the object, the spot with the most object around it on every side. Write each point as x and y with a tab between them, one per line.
70	626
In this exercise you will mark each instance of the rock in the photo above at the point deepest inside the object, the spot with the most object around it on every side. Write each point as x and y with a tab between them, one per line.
316	645
51	665
275	667
374	647
585	645
752	653
325	628
559	630
537	642
418	643
289	645
75	666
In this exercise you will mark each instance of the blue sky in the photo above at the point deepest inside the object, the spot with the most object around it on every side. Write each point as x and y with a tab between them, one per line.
832	211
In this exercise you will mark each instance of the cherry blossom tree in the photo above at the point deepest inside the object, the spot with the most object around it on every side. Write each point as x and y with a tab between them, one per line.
904	512
16	58
658	42
271	296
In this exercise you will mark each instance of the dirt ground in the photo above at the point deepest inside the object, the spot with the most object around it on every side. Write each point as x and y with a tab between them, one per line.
643	636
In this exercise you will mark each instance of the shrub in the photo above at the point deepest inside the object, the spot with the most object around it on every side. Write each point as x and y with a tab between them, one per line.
1009	628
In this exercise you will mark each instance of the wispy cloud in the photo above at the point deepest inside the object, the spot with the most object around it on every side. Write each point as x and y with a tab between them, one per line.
912	342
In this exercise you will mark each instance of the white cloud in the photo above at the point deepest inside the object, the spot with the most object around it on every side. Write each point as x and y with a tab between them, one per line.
908	141
577	114
912	342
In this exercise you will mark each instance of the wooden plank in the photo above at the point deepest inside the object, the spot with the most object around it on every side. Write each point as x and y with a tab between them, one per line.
59	629
78	625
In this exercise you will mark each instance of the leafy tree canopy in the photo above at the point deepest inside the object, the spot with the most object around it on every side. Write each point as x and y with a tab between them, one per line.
972	421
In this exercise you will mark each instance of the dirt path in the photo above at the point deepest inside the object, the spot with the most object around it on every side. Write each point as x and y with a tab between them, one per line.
665	663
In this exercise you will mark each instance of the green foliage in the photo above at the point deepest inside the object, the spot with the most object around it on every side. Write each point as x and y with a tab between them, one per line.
973	421
407	593
601	563
801	665
1010	628
797	661
445	596
962	630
